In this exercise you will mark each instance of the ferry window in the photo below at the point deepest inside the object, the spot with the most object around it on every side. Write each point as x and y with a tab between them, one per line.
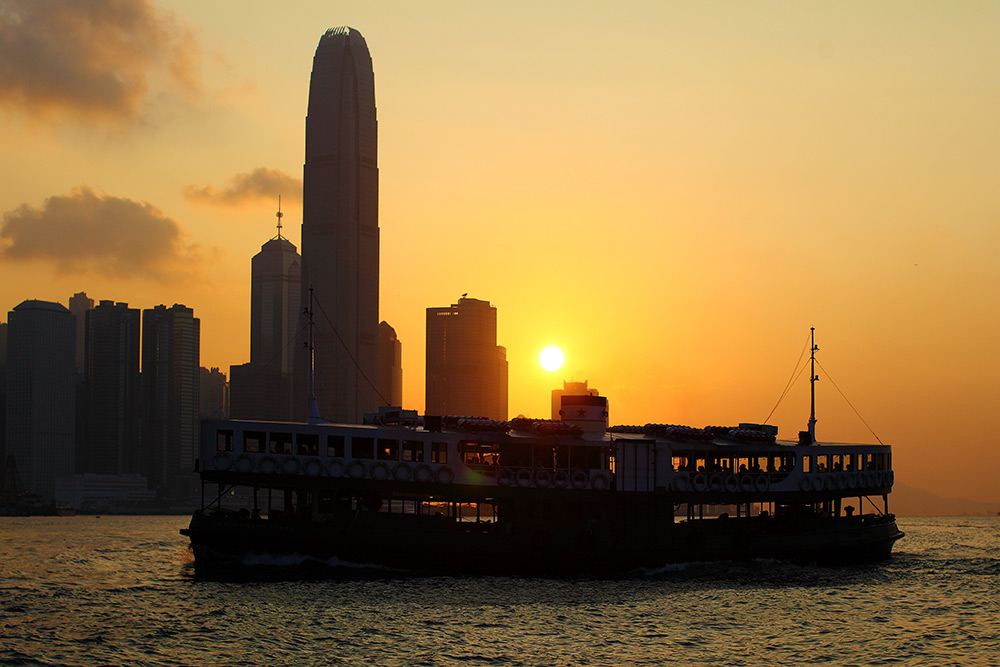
281	443
253	441
439	452
588	457
679	463
224	441
479	453
335	446
849	462
515	455
307	444
363	448
838	462
388	450
413	450
807	463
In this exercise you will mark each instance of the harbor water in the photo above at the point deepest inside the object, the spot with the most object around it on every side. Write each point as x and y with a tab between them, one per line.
121	590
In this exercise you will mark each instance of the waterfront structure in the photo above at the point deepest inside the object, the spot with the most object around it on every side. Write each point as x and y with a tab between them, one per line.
390	366
340	235
170	398
79	304
111	390
466	369
262	389
41	394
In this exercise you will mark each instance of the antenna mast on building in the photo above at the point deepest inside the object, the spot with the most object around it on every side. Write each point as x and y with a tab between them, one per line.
279	215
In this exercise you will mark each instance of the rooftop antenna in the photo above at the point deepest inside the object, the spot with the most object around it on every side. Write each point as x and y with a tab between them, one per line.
812	385
314	417
280	215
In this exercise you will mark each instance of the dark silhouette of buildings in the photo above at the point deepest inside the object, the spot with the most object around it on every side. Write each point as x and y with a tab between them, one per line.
213	394
466	369
111	390
170	398
79	304
390	366
340	235
262	389
41	394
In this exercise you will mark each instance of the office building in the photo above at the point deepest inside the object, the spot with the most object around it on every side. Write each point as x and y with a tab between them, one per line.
466	369
170	398
41	394
340	235
111	390
79	304
390	366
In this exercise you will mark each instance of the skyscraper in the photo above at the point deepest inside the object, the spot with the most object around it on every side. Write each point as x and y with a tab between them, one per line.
390	366
262	389
79	304
111	390
466	369
41	398
340	235
170	397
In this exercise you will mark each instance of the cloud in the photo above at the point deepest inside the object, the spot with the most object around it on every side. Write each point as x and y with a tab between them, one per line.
87	232
91	59
261	183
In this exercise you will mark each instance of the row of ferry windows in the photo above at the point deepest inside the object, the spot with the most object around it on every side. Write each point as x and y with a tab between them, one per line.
308	444
782	463
846	462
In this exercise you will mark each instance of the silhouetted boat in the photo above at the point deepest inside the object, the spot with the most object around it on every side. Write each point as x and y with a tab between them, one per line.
536	497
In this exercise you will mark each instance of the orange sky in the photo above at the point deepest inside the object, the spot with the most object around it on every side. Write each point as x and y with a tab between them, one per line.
671	192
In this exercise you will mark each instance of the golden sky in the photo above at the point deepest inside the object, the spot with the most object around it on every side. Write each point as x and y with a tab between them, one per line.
671	192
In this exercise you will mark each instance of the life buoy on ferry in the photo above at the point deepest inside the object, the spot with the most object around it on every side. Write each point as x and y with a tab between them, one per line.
380	471
579	479
841	481
291	466
424	473
560	479
746	482
760	483
268	465
715	482
335	468
402	473
829	483
244	463
445	476
805	484
817	482
700	482
505	477
223	461
543	478
852	480
681	483
732	484
523	477
313	467
869	478
600	482
357	469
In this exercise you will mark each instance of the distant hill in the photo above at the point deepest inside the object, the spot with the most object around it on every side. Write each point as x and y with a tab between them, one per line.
909	501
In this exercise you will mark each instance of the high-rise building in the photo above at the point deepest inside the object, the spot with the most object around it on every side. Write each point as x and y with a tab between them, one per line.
41	394
340	235
111	390
79	304
262	389
390	366
466	369
170	398
213	394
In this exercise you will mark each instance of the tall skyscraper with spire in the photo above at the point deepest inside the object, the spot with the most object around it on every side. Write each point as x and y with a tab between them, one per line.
262	389
340	235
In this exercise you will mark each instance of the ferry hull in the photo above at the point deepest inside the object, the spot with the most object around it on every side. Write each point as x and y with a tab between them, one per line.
225	545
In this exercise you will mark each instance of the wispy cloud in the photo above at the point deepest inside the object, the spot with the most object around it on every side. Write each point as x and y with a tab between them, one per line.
87	232
261	183
91	59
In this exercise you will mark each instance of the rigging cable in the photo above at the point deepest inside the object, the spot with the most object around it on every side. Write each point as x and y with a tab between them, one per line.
849	403
796	374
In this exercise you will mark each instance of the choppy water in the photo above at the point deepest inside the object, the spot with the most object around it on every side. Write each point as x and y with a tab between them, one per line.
120	591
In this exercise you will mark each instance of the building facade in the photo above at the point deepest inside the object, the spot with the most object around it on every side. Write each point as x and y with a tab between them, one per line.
170	398
41	394
390	366
340	234
111	390
466	369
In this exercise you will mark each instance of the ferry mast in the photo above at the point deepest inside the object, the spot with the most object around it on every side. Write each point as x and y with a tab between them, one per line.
812	384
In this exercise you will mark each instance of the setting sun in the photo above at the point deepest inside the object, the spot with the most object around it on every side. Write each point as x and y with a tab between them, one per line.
551	358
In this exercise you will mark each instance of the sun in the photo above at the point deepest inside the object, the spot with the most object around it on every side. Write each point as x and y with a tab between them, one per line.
551	358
